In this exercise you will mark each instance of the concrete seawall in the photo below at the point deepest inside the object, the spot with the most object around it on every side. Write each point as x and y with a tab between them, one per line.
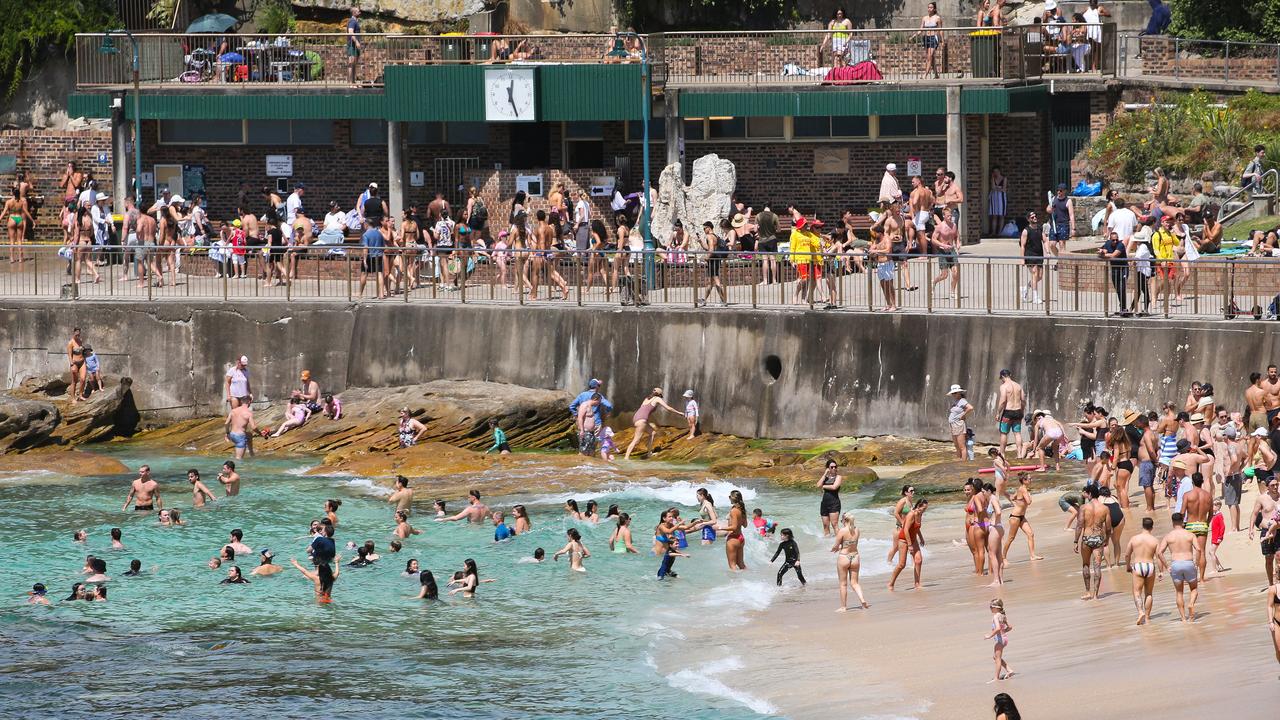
757	373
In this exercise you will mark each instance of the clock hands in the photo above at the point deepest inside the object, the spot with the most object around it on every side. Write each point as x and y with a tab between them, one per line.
511	98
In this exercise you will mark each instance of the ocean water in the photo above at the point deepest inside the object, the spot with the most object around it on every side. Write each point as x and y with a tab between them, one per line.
540	642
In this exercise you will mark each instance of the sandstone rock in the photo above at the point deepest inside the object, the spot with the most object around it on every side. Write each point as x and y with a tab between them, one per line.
26	423
103	416
65	462
707	198
434	459
410	10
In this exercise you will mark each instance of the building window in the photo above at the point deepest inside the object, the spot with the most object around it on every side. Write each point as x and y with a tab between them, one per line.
466	133
694	130
583	145
425	133
204	132
730	128
835	126
766	127
368	132
811	127
912	125
855	126
311	132
374	132
267	132
657	130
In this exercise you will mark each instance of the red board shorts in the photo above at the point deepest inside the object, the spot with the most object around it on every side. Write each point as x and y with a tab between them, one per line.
806	268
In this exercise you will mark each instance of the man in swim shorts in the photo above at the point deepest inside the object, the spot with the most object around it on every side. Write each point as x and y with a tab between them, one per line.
1271	384
1196	506
1182	545
1009	410
1255	397
1092	533
144	492
921	201
1148	451
240	429
1140	559
1263	516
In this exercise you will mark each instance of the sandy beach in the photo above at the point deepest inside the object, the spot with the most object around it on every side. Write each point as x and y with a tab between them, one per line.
922	654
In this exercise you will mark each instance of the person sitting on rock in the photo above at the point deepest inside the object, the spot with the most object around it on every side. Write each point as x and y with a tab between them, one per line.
295	416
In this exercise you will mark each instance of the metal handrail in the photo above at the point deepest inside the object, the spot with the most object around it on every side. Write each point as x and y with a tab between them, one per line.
1261	184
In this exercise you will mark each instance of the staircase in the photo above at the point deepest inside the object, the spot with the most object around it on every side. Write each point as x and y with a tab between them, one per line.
1248	203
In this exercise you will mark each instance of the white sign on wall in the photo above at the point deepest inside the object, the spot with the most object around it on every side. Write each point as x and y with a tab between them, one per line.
148	179
417	178
279	166
530	184
913	166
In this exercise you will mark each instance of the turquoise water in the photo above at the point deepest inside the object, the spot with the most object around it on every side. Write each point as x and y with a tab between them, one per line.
540	642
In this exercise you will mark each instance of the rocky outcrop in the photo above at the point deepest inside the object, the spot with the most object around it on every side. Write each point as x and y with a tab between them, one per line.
63	462
40	413
945	480
706	199
408	10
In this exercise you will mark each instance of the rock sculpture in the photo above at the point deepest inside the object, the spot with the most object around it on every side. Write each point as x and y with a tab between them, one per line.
707	198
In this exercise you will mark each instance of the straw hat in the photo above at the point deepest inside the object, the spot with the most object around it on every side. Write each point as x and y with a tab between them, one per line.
1129	417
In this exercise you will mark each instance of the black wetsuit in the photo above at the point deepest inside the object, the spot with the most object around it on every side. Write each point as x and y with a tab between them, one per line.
791	551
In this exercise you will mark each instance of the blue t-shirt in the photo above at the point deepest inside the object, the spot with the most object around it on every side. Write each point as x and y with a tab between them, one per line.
604	407
502	532
373	240
323	550
91	363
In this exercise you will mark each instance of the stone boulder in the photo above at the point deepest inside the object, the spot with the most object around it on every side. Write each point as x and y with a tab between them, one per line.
707	199
106	414
63	462
26	423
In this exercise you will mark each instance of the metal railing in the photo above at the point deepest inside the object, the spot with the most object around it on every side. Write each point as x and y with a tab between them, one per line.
1228	61
1245	195
1071	286
784	56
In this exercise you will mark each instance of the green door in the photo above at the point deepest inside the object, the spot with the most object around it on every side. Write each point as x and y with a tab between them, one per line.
1068	140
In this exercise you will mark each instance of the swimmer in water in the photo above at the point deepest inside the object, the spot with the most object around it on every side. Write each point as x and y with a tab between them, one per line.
411	569
135	568
234	577
403	495
665	545
331	511
848	562
99	594
538	556
99	571
439	507
199	491
175	517
323	577
574	549
733	526
620	540
38	592
265	566
115	539
467	580
707	509
80	536
571	509
522	522
428	590
592	513
237	543
229	478
403	528
215	563
144	492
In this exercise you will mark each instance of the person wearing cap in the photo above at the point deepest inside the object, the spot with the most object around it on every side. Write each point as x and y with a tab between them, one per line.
37	594
889	189
605	407
238	389
265	566
691	413
806	245
956	414
1061	214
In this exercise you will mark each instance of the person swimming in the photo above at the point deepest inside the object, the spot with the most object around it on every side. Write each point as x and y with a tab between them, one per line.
234	577
428	590
576	551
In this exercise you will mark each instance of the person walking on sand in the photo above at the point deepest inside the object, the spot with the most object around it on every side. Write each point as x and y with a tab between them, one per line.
960	409
1181	545
1140	560
1092	532
1009	411
642	424
848	563
995	533
1000	629
1196	506
910	541
1018	518
574	549
900	510
829	509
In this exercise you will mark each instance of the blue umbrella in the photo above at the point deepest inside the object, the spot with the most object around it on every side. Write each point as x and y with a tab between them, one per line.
215	23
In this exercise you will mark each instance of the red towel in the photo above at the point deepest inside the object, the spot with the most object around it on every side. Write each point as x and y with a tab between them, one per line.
864	71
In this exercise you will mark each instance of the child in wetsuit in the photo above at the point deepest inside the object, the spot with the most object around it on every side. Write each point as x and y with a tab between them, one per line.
791	559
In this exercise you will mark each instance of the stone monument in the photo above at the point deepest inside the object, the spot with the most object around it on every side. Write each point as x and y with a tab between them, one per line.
707	198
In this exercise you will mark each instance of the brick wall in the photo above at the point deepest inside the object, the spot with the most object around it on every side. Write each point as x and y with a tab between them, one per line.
43	155
1160	56
1012	142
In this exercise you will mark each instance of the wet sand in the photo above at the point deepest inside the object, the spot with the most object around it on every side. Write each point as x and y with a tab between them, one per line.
922	653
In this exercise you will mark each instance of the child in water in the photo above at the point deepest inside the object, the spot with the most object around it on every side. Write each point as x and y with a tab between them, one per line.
763	526
439	506
791	560
1000	628
574	549
607	447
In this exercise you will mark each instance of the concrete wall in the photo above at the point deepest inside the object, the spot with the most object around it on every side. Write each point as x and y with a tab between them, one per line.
838	374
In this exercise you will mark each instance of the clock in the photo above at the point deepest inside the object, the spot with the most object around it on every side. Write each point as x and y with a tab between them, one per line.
510	95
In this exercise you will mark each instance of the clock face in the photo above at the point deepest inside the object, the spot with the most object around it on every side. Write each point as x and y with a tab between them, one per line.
509	95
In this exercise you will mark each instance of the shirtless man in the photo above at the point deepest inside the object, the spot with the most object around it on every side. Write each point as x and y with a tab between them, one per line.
1271	385
1010	407
1268	506
475	512
1255	398
151	255
266	567
1196	506
1148	454
310	390
403	496
198	489
1233	484
144	492
1182	545
240	429
1140	559
1092	533
236	542
889	229
544	240
921	202
229	478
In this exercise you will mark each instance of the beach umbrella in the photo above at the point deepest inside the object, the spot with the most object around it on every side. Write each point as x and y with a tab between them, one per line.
217	22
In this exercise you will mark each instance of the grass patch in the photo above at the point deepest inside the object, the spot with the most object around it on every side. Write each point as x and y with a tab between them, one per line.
1240	230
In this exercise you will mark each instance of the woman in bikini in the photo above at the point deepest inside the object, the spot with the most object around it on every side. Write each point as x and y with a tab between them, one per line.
16	217
620	540
975	536
1000	628
1049	433
733	526
522	522
995	535
1018	518
1117	524
707	508
847	561
929	25
910	538
900	510
574	549
323	577
82	246
641	420
75	360
1273	613
1000	469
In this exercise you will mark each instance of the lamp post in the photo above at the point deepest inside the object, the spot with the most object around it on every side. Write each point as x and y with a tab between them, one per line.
109	48
646	107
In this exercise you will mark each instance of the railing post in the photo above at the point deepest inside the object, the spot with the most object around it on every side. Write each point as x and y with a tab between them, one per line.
462	270
871	287
928	287
578	274
694	260
35	272
1048	287
1107	289
347	258
1226	62
1015	292
1166	293
666	285
1231	290
224	287
1177	66
151	284
1075	274
1195	291
519	279
758	261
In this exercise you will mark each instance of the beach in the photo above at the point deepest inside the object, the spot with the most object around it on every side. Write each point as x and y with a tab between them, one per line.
921	654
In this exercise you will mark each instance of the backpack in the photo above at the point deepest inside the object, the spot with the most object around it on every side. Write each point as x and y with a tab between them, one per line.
479	215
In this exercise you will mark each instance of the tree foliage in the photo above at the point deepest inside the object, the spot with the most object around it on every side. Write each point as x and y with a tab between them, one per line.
33	29
1243	20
